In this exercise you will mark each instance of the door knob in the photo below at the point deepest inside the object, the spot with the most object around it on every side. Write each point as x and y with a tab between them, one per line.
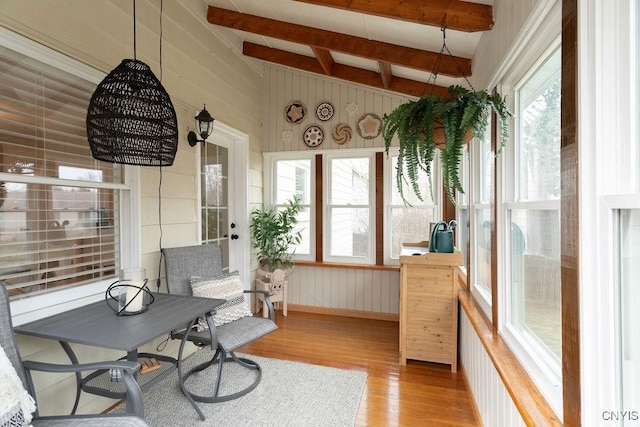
234	236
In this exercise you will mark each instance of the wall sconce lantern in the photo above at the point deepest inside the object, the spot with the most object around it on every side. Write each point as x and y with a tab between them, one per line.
204	124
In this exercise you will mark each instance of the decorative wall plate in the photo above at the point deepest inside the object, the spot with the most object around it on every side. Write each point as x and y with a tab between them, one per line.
351	108
324	111
313	136
341	133
287	136
295	112
369	126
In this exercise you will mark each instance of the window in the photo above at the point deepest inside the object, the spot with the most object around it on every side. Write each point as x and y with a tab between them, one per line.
534	318
214	184
483	168
629	302
407	224
462	209
60	210
293	177
349	210
350	205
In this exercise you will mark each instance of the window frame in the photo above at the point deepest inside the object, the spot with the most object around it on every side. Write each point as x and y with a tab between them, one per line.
38	306
369	259
376	155
270	161
544	371
477	203
389	181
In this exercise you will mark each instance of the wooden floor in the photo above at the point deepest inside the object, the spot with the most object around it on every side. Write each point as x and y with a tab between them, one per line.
418	394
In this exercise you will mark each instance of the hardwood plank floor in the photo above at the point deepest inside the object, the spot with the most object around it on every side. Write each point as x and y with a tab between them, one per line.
418	394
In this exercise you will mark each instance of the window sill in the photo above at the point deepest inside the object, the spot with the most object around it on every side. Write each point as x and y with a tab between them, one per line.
531	405
352	266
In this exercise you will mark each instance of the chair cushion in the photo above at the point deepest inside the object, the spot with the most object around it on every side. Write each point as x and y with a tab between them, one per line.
16	404
227	287
232	336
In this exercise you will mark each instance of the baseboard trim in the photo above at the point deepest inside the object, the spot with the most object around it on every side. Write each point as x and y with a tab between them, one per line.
344	312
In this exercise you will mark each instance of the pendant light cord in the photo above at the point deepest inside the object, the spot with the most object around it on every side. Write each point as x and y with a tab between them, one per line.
160	180
134	30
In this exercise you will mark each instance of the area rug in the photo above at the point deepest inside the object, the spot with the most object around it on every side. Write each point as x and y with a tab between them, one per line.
290	394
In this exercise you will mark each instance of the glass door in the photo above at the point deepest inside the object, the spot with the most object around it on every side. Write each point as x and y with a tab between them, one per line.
224	200
214	198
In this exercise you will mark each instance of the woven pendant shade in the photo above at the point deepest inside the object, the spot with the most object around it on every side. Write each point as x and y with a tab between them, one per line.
131	119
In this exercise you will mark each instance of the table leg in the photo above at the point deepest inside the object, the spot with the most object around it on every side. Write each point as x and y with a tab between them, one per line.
74	360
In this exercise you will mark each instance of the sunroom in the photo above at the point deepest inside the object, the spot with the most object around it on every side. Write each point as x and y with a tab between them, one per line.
546	326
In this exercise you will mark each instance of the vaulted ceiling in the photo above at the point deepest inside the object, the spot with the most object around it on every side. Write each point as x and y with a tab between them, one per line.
386	44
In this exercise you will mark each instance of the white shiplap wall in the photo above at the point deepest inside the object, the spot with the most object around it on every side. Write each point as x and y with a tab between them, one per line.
283	85
345	288
494	404
334	288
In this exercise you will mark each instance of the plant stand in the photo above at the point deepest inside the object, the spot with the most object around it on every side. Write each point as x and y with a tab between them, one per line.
277	297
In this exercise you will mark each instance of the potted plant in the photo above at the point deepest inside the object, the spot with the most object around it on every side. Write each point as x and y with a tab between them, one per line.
431	123
274	233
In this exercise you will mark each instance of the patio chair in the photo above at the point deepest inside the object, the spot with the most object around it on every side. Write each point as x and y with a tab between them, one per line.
23	370
182	264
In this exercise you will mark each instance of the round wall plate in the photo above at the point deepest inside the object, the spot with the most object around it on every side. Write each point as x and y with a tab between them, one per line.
324	111
341	133
369	126
295	112
313	136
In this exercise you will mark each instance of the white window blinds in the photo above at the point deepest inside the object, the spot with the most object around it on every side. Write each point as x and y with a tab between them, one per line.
59	208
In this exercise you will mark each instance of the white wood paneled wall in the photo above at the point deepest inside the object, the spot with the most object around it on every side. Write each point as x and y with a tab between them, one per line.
345	288
509	17
283	85
489	392
334	288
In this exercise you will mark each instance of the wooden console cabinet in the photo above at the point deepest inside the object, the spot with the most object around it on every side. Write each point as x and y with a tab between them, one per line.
429	305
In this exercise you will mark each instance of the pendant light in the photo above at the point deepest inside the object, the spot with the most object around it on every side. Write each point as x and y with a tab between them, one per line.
131	119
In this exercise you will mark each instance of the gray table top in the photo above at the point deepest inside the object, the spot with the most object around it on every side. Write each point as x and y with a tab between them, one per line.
97	325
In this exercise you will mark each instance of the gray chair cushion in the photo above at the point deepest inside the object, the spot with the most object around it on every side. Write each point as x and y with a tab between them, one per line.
234	335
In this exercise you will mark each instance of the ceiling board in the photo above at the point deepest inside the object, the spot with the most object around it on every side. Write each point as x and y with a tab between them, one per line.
373	30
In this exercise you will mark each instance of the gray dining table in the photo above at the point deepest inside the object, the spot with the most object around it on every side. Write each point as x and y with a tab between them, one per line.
98	325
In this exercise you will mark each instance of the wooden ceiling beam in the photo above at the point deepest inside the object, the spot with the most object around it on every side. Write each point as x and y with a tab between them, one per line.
344	72
332	41
452	14
325	59
385	73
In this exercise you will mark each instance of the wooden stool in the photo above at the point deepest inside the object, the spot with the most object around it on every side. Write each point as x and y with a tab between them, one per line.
277	286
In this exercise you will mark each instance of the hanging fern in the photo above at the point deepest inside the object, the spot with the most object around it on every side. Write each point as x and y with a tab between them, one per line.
413	124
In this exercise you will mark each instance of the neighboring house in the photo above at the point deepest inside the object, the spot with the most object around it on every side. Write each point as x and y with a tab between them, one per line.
62	228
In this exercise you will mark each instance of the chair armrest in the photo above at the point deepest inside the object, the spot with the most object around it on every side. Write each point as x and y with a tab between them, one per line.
134	394
267	299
